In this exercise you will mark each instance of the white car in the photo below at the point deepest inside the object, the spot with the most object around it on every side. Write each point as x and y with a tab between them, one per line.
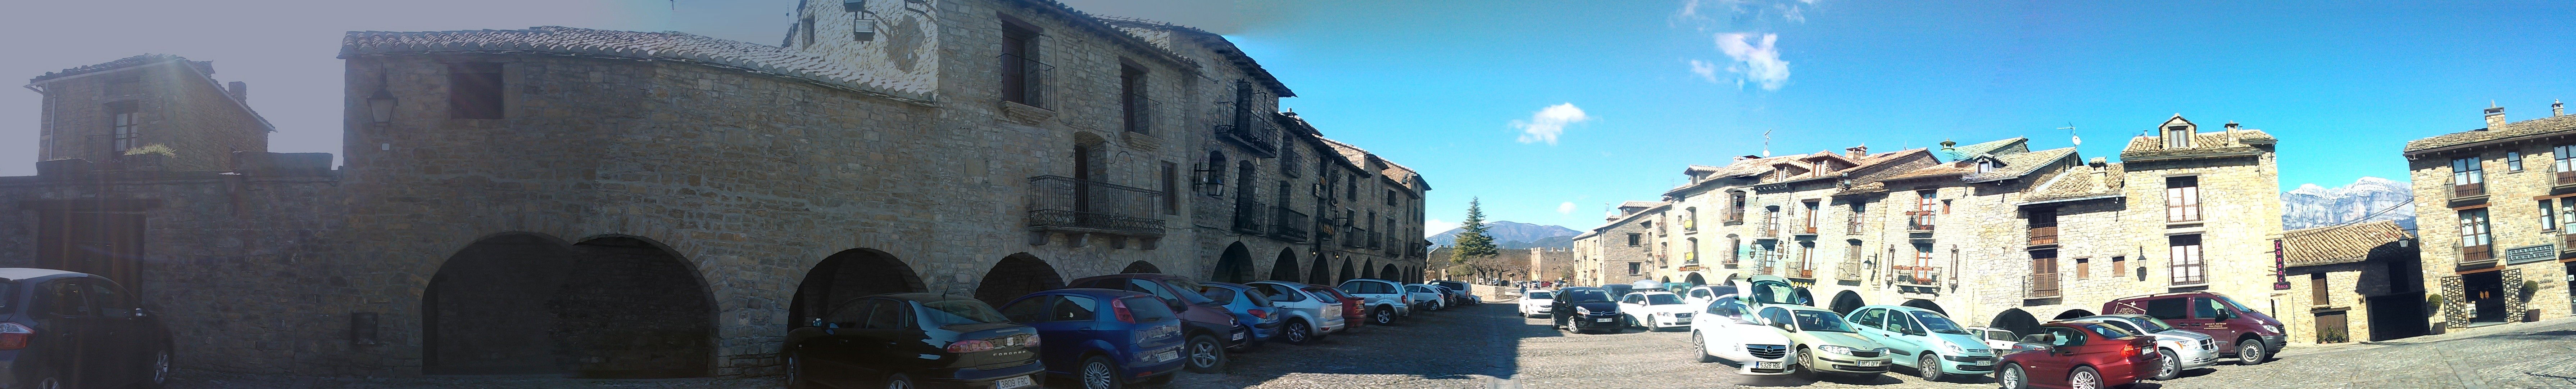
1655	310
1382	300
1699	296
1535	303
1996	338
1427	295
1725	331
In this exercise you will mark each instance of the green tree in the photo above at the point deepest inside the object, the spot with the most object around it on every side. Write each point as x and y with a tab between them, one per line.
1472	241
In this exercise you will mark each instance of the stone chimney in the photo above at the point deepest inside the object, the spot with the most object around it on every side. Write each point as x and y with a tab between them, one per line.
2495	117
1949	145
238	90
2557	108
1857	151
2230	128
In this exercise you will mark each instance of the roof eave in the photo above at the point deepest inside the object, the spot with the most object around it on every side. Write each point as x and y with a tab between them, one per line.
2068	200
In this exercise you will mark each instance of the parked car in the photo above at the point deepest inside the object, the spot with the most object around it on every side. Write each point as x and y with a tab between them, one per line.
2077	355
1767	290
2246	334
1821	342
1354	309
1306	317
1930	343
1210	329
1616	290
1102	338
907	340
1998	339
1581	309
77	330
1459	293
2182	350
1699	296
1386	299
1535	302
1249	307
1725	330
1426	295
1655	310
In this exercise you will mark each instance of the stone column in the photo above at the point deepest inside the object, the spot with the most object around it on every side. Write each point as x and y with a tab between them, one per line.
2455	303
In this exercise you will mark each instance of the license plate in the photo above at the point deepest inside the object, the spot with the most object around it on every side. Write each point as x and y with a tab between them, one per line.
1167	355
1601	320
1014	382
1238	336
1766	365
1872	363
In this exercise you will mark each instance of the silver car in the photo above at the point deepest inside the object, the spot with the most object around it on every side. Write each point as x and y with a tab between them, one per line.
2183	349
1309	317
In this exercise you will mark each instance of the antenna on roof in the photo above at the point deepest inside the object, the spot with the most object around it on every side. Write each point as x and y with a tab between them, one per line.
2070	134
1766	143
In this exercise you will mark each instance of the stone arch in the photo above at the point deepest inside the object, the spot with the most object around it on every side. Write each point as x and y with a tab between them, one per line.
1016	275
1735	279
1846	302
2015	320
1369	270
2073	313
1806	297
1141	267
608	307
847	275
1927	305
1390	273
1695	279
1235	265
1347	273
1322	273
1285	268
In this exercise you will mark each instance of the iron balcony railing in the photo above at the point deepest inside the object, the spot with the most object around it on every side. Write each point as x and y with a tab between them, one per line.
1848	270
1918	275
1247	216
1287	224
1061	203
1920	221
1024	80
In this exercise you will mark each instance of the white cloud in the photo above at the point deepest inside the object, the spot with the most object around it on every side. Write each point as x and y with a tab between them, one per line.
1758	62
1566	208
1705	70
1544	125
1436	226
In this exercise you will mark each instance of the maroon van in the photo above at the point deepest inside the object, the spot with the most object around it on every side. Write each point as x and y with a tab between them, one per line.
2245	333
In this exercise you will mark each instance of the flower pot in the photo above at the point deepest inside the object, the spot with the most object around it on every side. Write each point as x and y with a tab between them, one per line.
2530	315
2437	328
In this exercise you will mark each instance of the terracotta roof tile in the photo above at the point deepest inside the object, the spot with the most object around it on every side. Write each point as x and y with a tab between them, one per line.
2338	244
2077	183
2542	126
2017	165
1998	146
665	46
2203	144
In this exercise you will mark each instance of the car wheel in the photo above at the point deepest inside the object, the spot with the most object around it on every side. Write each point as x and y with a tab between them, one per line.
1206	356
2012	378
899	381
2251	352
1098	373
1701	346
1298	333
2172	366
1652	327
1798	361
795	371
1383	316
160	370
1929	366
2084	378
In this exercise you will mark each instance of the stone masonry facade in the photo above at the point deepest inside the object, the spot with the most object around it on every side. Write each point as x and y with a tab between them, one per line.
2494	202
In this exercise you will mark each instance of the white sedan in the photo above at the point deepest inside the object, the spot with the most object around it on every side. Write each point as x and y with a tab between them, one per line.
1995	338
1725	331
1535	303
1655	310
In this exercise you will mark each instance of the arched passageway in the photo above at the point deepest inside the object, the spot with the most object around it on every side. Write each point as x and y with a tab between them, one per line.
1141	267
1322	273
1695	279
1926	305
1017	275
611	307
1846	302
1735	279
1389	272
1347	273
1234	266
2015	320
1285	268
1368	271
2074	313
847	275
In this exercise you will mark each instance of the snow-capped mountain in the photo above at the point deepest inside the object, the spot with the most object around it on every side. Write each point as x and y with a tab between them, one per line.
2317	206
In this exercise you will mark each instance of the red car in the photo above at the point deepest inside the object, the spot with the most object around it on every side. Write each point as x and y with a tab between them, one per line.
1351	310
2078	355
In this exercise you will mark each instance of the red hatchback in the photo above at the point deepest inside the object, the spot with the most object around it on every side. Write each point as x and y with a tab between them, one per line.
1351	313
2078	355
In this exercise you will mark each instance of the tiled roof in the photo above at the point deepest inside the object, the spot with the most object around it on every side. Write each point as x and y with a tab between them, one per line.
2542	126
1639	204
2203	144
658	46
2017	165
1998	146
2338	244
1219	44
1946	169
207	67
2077	183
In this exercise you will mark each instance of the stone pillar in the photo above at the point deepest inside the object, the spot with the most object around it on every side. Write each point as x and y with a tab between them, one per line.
2455	303
2512	294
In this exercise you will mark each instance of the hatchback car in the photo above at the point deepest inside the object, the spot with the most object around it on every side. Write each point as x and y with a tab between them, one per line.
1386	299
1699	296
1655	310
1930	343
1725	330
1354	309
2246	334
908	340
2001	340
1459	293
1304	316
2182	350
1534	302
2077	355
1426	295
1103	338
77	330
1821	342
1209	327
1585	309
1248	306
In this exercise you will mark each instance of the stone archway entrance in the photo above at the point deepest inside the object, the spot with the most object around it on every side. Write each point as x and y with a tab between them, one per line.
1141	267
1695	279
1322	273
2074	313
1017	275
846	275
1285	268
2015	320
610	307
1347	272
1235	265
1389	272
1846	302
1368	271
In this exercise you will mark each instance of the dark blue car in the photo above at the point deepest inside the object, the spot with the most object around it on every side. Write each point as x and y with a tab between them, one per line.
1248	306
1103	338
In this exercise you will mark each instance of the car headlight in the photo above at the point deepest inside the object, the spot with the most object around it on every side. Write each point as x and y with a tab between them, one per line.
1954	348
1582	310
2272	329
1883	350
1835	349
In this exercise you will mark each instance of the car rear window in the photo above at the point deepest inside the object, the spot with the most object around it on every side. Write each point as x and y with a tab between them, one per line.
1662	299
1585	296
1542	295
960	311
1222	295
1275	292
1147	309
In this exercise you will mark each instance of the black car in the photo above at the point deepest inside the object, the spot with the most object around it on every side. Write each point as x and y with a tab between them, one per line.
1457	292
75	330
920	340
1584	308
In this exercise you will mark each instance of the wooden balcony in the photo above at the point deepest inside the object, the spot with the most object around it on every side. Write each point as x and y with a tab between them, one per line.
1848	270
2478	253
2468	191
1918	275
2040	236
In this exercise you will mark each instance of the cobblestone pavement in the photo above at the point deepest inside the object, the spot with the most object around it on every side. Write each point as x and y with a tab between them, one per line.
1486	347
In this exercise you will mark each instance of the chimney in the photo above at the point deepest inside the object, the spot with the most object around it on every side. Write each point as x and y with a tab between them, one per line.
1857	151
2557	108
2230	128
2495	117
239	91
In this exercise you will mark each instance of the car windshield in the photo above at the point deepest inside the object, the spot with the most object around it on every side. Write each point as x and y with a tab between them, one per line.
960	311
1584	296
1662	299
1936	323
1774	293
2240	307
1825	321
2150	324
1542	295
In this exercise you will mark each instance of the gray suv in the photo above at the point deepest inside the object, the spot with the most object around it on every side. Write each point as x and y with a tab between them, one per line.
1309	317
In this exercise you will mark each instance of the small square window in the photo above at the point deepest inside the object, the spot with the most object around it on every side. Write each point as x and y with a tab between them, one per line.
2513	161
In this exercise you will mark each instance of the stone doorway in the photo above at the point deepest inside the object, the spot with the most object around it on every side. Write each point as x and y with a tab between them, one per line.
1846	302
1017	275
611	307
2015	320
1235	265
2485	296
1285	268
1322	273
1347	273
848	275
1389	272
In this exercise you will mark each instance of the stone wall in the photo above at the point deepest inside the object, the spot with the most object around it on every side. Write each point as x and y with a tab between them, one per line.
176	106
2513	219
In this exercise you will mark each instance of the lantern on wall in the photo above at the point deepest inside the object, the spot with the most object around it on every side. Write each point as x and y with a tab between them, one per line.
381	107
864	26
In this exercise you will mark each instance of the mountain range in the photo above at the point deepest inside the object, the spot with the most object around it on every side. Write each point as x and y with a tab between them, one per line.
1516	235
2317	206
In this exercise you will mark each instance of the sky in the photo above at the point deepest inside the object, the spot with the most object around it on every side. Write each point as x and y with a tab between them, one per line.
1549	111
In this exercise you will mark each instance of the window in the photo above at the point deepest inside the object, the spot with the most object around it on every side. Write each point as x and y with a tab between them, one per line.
1390	197
474	90
1131	98
1735	207
1692	256
1924	203
805	31
1813	212
1734	247
2474	236
2119	266
1870	318
1851	222
2317	290
2185	250
1806	259
2468	177
2206	308
1690	219
2182	199
1020	65
2177	137
2548	216
2512	161
1634	266
2169	308
1171	187
888	315
2563	161
2083	268
68	297
125	117
1633	238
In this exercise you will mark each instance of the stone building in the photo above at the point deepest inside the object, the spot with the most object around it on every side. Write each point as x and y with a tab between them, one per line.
559	200
1550	263
1620	251
2496	260
101	113
2358	282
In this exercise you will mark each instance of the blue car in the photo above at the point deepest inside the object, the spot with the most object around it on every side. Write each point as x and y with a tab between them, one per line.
1103	338
1927	341
1248	306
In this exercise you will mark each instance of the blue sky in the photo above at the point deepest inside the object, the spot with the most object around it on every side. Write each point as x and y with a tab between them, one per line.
1453	88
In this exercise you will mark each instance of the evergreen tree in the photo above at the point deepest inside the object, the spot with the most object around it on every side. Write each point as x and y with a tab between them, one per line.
1472	241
